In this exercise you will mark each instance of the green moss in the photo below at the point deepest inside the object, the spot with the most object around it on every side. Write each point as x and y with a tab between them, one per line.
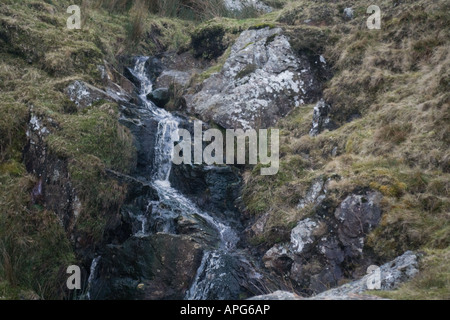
95	132
249	69
207	42
262	26
35	250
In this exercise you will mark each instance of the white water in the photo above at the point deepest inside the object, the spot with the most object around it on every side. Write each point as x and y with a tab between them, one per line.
91	278
172	203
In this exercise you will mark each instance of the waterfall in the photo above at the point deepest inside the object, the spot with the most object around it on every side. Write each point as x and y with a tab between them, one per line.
172	204
91	278
164	149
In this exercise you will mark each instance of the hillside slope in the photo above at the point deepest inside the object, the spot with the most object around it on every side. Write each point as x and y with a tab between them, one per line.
382	133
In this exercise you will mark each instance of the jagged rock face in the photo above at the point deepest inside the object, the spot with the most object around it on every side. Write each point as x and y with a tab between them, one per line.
143	126
259	83
54	188
325	247
84	94
391	275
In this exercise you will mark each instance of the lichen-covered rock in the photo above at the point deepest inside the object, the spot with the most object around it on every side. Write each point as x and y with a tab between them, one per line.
321	120
53	187
84	95
173	77
301	235
348	13
357	216
392	274
260	81
279	258
315	194
325	247
239	5
277	295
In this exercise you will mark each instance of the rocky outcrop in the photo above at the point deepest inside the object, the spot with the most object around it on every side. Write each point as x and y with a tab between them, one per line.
143	126
391	275
321	120
260	82
117	89
53	188
239	5
277	295
316	193
325	248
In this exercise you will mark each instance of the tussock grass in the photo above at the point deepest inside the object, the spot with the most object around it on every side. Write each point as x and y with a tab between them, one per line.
390	96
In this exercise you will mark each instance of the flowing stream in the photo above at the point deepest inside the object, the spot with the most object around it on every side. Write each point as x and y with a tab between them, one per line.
171	204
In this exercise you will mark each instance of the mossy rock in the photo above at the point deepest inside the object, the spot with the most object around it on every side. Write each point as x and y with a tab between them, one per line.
249	69
208	42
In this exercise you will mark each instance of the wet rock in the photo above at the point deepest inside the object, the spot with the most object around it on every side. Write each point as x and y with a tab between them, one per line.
260	82
117	86
160	266
226	276
154	68
144	127
160	97
213	188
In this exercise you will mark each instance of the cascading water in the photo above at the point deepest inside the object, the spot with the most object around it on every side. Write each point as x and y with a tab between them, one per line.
224	269
91	278
218	276
172	203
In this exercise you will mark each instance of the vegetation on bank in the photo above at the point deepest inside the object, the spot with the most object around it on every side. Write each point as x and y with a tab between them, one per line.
389	94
